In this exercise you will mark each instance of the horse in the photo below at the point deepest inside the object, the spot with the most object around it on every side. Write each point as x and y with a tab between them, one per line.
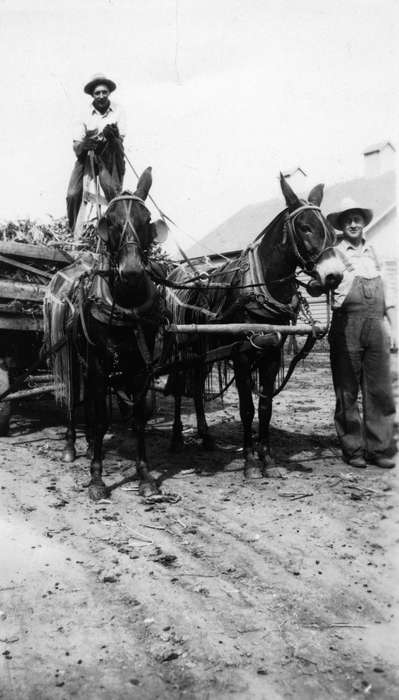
259	287
109	316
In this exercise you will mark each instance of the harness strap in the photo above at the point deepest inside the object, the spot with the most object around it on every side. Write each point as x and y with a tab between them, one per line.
301	355
264	298
125	197
142	345
82	315
199	309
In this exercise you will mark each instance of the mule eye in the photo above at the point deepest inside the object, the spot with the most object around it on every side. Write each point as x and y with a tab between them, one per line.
304	228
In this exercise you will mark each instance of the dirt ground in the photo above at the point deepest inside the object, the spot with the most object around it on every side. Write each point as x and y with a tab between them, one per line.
284	588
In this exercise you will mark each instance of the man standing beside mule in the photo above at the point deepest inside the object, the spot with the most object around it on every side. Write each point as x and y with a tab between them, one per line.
102	131
360	346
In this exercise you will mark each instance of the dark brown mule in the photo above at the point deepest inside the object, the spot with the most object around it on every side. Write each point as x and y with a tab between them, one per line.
115	313
259	287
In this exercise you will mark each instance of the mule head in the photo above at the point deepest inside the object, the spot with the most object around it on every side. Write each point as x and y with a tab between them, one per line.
312	237
128	233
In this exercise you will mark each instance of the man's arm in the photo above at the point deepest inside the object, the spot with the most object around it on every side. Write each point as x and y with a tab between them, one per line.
120	121
87	143
392	317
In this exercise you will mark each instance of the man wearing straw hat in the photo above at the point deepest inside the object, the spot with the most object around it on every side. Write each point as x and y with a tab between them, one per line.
360	346
101	131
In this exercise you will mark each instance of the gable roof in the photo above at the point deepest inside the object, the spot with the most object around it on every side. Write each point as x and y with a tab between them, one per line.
240	229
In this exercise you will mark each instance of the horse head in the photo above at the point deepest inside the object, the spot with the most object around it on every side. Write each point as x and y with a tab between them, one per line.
312	237
128	233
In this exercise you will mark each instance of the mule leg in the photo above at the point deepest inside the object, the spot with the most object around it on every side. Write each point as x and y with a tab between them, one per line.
97	385
177	442
89	422
242	369
147	486
268	369
208	441
69	452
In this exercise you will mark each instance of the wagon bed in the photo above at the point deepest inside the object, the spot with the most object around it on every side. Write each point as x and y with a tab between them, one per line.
25	271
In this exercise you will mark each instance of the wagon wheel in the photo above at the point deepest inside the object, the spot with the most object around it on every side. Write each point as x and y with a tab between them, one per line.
5	406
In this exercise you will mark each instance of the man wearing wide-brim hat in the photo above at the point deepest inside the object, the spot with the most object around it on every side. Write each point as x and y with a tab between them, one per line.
360	346
101	131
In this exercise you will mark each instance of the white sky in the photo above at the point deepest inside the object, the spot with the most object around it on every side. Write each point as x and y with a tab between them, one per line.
220	95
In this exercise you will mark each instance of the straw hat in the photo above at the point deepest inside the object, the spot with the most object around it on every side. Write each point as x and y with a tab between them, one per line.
99	79
349	205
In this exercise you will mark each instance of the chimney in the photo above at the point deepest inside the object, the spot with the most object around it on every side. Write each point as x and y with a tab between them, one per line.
378	159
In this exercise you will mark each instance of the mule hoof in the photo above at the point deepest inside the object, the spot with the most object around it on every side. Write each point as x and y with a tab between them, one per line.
274	473
148	488
69	454
97	491
253	471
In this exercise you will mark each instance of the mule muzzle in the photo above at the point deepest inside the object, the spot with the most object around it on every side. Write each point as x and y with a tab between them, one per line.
333	279
329	271
131	273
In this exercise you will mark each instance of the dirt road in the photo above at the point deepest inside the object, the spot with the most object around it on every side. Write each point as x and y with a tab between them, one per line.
276	589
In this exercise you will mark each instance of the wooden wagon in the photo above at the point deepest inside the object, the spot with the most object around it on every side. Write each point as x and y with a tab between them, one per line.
25	270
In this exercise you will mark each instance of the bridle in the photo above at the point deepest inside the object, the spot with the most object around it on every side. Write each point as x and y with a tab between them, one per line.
114	255
123	241
309	264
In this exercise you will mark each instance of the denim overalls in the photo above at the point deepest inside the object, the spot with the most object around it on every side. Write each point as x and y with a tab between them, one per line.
359	353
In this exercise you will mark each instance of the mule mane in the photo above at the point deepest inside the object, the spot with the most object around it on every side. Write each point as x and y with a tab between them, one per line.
273	224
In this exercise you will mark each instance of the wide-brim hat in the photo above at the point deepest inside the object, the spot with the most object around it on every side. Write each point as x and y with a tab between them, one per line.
348	205
99	79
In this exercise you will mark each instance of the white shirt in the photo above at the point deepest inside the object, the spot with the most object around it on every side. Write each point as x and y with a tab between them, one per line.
363	262
95	120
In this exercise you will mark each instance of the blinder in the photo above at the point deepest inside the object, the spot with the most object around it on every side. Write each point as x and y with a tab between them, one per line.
159	231
309	264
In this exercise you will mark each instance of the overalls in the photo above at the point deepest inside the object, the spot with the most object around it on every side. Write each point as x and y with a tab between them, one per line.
360	357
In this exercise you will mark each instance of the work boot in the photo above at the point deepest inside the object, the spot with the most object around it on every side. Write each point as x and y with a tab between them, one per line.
358	462
381	461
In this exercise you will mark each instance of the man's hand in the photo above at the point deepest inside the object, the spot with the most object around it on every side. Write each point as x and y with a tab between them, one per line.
90	141
111	132
392	327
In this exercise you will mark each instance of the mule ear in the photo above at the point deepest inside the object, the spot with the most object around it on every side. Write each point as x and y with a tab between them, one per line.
102	229
144	183
159	230
290	197
316	195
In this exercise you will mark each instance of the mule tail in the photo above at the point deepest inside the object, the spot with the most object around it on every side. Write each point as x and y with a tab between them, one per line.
58	316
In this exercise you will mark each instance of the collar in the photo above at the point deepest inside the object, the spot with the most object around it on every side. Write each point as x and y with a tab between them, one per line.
95	111
347	245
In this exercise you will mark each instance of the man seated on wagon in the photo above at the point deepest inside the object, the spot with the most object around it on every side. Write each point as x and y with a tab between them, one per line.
101	131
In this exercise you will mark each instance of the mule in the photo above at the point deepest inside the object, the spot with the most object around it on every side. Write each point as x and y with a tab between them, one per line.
258	287
111	315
